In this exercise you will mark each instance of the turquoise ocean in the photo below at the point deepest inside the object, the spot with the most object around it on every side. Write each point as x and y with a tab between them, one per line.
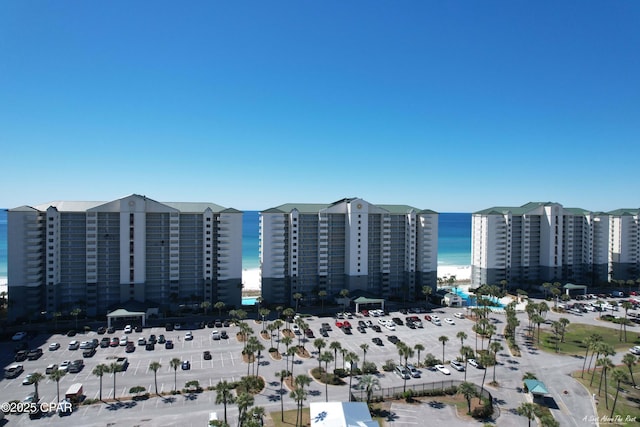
454	240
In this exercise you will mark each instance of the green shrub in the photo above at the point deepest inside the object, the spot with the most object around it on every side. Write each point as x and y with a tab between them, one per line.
369	368
340	373
389	366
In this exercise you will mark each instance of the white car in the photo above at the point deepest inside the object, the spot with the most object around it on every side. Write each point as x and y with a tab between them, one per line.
123	340
390	326
475	363
449	321
188	336
457	365
635	350
54	346
442	369
74	345
296	329
369	323
85	345
64	366
128	329
459	315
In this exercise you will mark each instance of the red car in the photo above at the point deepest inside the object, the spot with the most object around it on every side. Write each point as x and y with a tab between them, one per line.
115	342
339	324
427	317
346	324
365	313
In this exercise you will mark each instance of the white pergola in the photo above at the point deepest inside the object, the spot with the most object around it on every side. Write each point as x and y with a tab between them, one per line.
121	312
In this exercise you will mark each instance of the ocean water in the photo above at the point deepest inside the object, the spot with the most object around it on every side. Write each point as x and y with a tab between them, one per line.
454	240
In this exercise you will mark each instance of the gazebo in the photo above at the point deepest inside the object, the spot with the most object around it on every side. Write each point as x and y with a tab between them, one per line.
122	313
572	287
537	389
365	300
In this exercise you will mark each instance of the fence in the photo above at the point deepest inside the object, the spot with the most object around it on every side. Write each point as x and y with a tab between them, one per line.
391	392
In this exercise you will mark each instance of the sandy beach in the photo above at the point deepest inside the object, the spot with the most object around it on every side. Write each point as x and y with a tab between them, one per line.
462	272
251	279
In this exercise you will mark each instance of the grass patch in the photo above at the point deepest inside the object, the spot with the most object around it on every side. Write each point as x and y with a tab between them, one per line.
577	332
290	418
628	404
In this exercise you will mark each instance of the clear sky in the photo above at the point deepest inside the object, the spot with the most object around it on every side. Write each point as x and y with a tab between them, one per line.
454	106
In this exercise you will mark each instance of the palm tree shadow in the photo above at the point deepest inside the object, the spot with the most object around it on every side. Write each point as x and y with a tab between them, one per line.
435	404
191	396
273	398
168	399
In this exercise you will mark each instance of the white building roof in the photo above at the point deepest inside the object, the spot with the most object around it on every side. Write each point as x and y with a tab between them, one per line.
341	414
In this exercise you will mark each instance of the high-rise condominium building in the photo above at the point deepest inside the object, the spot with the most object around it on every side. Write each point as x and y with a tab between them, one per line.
384	250
537	243
624	244
99	256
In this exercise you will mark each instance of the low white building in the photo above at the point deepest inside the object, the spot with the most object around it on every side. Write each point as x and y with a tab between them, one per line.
341	414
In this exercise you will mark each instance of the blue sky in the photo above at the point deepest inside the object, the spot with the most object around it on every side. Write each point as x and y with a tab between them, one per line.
454	106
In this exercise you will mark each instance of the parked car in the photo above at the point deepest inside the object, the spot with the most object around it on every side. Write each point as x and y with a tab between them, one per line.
186	365
377	341
115	341
76	366
458	315
21	356
89	352
188	336
142	341
402	372
393	339
324	332
449	321
13	371
475	363
150	346
376	328
309	333
414	371
101	330
161	339
51	368
635	350
223	335
85	345
215	335
128	329
74	345
206	355
457	365
64	366
28	380
19	336
441	368
54	346
168	344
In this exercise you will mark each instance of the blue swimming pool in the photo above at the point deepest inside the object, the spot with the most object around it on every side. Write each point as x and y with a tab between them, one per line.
470	300
249	300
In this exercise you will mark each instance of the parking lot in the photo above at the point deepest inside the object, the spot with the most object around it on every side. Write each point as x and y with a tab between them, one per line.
226	364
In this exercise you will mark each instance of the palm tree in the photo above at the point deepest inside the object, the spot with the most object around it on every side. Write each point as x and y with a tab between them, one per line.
174	363
344	294
281	375
618	376
351	358
114	368
326	357
606	364
466	352
205	305
443	339
335	346
495	347
319	343
468	390
264	312
57	376
292	352
244	401
627	306
322	294
369	383
299	395
589	342
219	306
426	291
99	371
630	361
75	313
286	340
528	410
297	296
537	320
154	366
364	348
563	327
36	377
418	348
463	336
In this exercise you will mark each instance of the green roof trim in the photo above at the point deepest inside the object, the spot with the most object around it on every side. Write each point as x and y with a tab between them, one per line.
314	208
572	286
536	387
625	212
